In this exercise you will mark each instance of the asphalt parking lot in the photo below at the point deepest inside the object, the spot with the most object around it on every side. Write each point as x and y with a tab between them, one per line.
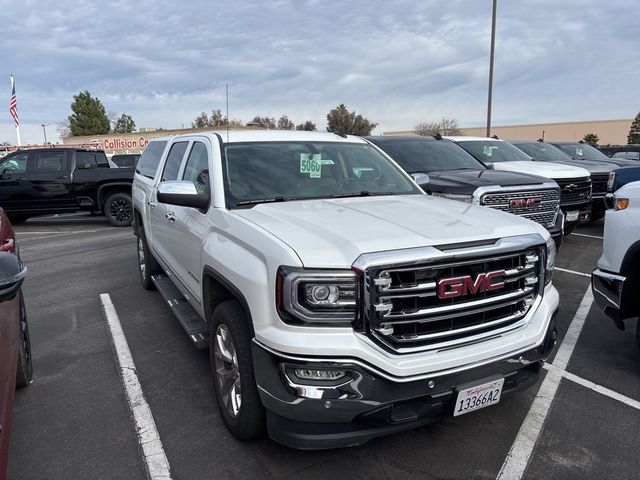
579	421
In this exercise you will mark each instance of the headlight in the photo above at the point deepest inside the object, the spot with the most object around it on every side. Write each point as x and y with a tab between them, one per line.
612	178
551	261
325	297
455	196
620	203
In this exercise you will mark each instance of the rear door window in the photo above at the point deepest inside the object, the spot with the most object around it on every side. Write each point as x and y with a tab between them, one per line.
174	160
150	158
50	162
86	160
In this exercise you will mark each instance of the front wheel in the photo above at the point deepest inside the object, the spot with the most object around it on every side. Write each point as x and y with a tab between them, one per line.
118	210
232	368
147	264
24	373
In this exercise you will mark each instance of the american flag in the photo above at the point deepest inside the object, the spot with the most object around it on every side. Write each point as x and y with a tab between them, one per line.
13	105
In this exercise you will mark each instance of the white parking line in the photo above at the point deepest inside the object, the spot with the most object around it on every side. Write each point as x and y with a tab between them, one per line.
572	271
588	236
518	457
155	459
595	387
57	232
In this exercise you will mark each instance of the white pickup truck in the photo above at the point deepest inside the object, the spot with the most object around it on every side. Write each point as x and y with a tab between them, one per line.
616	281
338	301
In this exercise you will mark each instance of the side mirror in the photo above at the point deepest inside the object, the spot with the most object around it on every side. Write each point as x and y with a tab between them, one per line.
12	273
420	178
489	165
182	193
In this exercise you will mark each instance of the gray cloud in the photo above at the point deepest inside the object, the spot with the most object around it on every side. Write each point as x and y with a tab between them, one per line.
396	62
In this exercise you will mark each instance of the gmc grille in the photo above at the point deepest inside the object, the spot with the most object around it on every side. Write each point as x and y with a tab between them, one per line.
543	212
406	313
574	191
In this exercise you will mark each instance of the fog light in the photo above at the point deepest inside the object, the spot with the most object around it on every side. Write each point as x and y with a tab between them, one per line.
310	374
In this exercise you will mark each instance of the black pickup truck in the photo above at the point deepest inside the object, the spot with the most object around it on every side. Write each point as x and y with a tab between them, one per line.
44	181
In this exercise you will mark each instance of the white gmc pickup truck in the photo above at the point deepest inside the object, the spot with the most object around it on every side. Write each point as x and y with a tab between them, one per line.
338	301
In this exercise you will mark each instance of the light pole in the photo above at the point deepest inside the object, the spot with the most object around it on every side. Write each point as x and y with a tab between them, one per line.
44	131
493	47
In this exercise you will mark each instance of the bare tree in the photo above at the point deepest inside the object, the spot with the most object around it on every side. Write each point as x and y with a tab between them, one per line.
446	126
264	122
216	120
308	126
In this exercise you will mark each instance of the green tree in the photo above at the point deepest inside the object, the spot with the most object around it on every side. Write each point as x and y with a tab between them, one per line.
124	124
340	119
309	126
591	139
634	131
284	123
89	116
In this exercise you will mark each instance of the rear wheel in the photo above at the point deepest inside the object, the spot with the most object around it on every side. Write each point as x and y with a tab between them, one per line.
233	376
118	210
569	230
147	264
25	366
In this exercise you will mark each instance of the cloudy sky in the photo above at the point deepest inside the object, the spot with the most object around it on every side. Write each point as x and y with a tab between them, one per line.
397	62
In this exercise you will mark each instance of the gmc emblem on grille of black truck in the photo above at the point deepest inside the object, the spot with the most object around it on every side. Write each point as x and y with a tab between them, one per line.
524	202
459	286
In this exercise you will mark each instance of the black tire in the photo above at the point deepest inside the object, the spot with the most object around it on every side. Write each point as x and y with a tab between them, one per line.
24	373
16	219
248	423
569	230
147	263
118	209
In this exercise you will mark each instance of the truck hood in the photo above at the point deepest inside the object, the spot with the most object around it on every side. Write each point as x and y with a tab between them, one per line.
543	169
467	181
334	233
598	168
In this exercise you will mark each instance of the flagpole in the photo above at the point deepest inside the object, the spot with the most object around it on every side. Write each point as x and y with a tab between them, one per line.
13	109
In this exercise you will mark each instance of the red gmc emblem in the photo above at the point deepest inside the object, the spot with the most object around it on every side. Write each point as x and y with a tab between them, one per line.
458	286
524	202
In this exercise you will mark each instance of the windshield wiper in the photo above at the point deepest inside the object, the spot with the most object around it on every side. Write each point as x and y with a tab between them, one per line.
263	200
362	193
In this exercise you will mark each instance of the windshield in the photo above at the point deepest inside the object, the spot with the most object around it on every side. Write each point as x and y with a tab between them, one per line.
543	152
429	156
260	172
582	151
494	151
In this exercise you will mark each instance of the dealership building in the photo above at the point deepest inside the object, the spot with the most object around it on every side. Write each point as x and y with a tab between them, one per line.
612	132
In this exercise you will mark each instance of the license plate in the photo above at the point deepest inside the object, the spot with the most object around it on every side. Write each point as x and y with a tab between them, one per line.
572	216
478	396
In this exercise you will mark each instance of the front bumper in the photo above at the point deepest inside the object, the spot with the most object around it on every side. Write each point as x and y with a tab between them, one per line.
366	403
584	214
608	292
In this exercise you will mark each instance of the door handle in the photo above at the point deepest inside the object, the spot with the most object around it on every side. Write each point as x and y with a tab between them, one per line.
152	204
171	217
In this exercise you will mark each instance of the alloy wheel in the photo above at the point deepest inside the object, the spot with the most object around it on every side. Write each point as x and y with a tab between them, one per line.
227	371
120	210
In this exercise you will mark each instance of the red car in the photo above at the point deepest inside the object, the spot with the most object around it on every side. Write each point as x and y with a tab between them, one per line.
15	349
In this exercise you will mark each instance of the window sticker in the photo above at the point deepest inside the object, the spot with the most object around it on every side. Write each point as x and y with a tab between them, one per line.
311	163
488	151
357	171
579	151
